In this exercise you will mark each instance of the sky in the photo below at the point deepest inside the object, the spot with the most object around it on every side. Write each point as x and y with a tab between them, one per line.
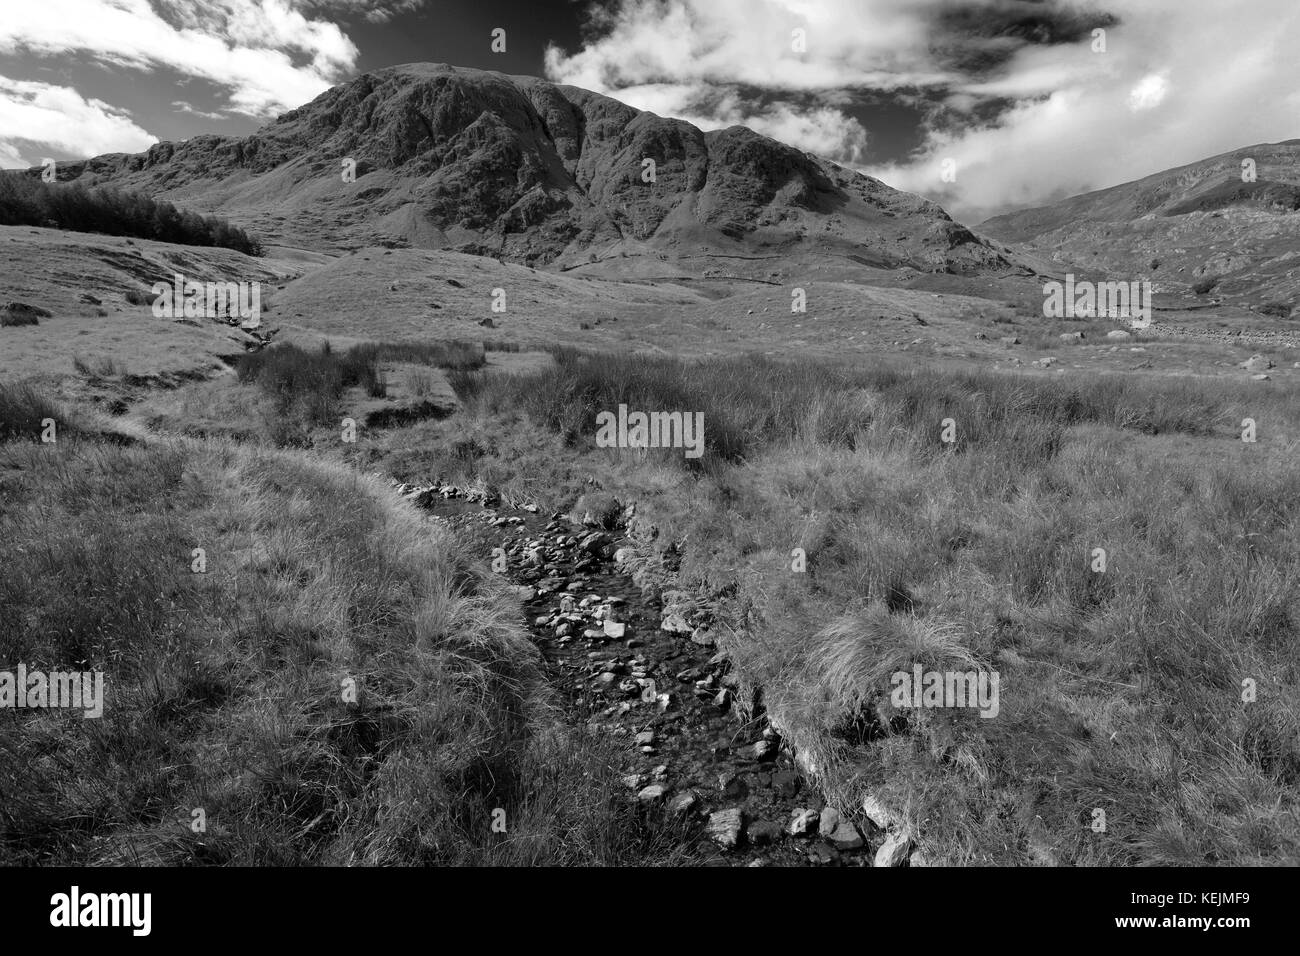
982	105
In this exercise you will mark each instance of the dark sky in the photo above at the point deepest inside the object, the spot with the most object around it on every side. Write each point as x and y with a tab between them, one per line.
460	33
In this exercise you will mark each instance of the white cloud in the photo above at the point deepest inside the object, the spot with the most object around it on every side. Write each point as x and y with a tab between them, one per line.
185	107
59	117
1180	80
821	129
267	55
1149	93
881	43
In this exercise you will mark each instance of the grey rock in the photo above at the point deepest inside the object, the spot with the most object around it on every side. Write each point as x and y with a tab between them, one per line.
845	836
878	813
830	819
894	850
652	794
683	803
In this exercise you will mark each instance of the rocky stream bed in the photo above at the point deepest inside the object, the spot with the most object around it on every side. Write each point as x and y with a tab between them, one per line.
656	682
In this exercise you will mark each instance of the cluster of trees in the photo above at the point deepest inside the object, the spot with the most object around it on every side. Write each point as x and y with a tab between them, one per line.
25	201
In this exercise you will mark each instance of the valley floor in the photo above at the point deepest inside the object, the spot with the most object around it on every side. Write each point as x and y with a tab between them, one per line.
347	681
916	473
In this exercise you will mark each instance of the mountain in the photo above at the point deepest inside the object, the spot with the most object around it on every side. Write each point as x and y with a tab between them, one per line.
539	174
1199	225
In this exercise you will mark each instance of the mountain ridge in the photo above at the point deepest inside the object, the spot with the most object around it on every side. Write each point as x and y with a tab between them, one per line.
1199	226
528	171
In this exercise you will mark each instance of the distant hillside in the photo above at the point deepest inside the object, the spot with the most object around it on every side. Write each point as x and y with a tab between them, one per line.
1197	224
530	172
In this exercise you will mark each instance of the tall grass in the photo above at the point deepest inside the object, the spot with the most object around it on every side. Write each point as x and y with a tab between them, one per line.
1121	690
228	685
755	402
23	410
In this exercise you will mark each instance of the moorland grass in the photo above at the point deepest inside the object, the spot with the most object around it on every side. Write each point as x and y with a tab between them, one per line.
1149	712
339	681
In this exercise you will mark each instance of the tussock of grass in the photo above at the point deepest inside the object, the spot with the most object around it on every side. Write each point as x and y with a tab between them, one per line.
225	689
23	409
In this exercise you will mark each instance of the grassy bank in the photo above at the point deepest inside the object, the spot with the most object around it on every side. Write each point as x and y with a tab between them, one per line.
333	680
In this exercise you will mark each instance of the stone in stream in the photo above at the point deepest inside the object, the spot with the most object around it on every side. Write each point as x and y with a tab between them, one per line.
878	813
724	827
652	794
675	624
614	630
683	803
894	850
845	836
830	819
593	542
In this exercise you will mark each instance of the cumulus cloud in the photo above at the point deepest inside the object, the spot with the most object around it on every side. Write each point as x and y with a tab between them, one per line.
39	114
1018	94
820	127
266	54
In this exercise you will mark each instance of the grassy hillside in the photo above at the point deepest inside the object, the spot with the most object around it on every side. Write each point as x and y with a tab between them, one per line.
227	685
